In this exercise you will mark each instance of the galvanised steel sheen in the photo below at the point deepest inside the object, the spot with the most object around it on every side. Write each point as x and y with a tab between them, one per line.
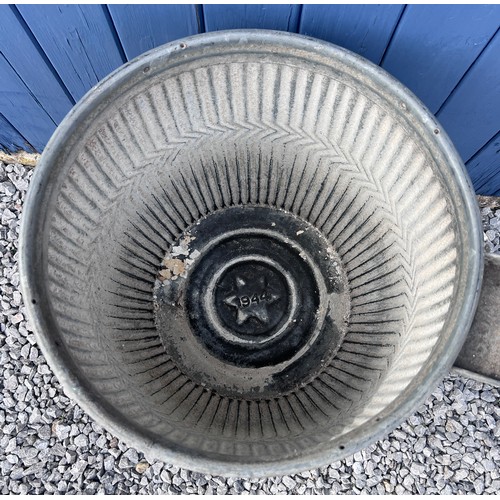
250	253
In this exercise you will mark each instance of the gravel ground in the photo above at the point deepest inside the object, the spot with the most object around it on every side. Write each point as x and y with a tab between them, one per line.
491	227
49	445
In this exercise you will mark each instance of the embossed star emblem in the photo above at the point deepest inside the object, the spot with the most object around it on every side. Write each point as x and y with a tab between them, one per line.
251	300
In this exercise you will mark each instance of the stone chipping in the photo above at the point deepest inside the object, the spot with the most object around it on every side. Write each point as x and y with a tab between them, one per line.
491	225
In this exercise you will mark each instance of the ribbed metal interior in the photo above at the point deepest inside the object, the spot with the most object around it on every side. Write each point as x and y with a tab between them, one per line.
220	134
199	130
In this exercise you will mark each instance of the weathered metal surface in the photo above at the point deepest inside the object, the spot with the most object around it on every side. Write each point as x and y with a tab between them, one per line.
286	199
480	354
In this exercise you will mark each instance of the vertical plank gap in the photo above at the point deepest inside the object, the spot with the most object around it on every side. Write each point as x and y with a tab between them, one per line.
33	96
43	55
465	74
26	144
299	21
114	32
484	182
296	24
200	18
394	30
483	147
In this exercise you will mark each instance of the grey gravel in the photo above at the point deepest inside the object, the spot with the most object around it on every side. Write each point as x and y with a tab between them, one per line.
49	445
491	226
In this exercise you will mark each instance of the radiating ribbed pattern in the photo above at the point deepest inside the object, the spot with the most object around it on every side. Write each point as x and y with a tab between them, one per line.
260	133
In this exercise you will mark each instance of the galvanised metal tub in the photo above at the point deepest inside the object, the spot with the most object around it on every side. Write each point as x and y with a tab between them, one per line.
250	253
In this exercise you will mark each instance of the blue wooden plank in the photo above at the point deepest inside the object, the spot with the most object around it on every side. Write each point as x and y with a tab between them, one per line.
143	27
434	45
484	168
471	115
10	139
21	109
26	57
364	29
283	17
78	40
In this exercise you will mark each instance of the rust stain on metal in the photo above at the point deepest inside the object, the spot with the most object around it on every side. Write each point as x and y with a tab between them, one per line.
173	267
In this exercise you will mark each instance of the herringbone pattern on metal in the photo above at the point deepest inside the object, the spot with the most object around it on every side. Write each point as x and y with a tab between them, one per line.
304	134
251	133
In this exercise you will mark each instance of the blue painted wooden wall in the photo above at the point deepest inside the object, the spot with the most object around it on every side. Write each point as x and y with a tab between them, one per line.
448	55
